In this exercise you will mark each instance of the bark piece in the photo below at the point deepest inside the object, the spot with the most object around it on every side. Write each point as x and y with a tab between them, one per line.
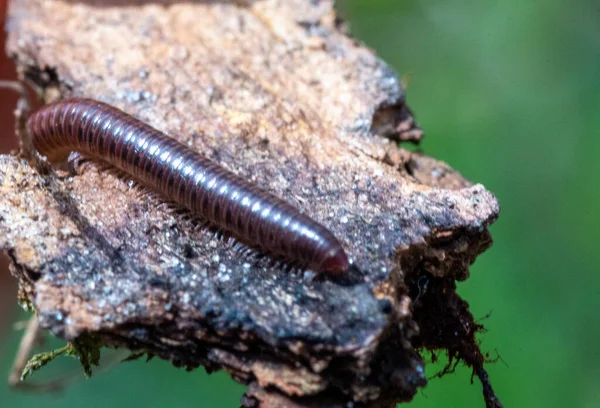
275	92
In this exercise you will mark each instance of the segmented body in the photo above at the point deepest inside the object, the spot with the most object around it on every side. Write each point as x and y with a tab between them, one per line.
256	218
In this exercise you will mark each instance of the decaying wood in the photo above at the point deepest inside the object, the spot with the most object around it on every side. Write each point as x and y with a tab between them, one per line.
276	92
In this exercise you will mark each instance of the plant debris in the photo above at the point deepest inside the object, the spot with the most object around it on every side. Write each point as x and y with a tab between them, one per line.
277	93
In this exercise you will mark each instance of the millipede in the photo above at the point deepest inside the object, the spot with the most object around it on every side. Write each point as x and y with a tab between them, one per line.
225	201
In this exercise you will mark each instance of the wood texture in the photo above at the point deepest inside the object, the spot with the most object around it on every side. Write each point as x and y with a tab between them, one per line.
276	92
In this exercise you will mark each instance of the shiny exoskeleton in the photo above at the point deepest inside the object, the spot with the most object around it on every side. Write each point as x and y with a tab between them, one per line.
229	203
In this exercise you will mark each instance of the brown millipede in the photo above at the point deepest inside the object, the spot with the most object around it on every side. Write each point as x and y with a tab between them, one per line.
227	202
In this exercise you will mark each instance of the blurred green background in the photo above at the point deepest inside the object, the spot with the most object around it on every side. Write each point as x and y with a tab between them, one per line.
509	94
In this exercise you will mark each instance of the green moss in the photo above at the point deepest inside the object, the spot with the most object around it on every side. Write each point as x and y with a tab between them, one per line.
85	348
24	302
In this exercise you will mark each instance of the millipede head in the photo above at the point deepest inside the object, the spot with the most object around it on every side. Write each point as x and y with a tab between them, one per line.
335	263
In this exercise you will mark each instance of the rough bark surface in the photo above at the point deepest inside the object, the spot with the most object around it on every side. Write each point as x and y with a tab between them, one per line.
277	93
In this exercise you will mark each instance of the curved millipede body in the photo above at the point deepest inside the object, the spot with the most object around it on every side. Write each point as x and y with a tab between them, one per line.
227	202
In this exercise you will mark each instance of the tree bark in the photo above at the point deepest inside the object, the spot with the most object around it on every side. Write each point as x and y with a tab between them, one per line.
276	92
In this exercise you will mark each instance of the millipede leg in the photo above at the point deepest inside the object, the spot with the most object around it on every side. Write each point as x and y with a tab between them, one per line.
74	163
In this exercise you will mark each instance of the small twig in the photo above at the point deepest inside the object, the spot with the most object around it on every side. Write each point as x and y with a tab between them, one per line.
20	325
28	341
21	114
15	86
